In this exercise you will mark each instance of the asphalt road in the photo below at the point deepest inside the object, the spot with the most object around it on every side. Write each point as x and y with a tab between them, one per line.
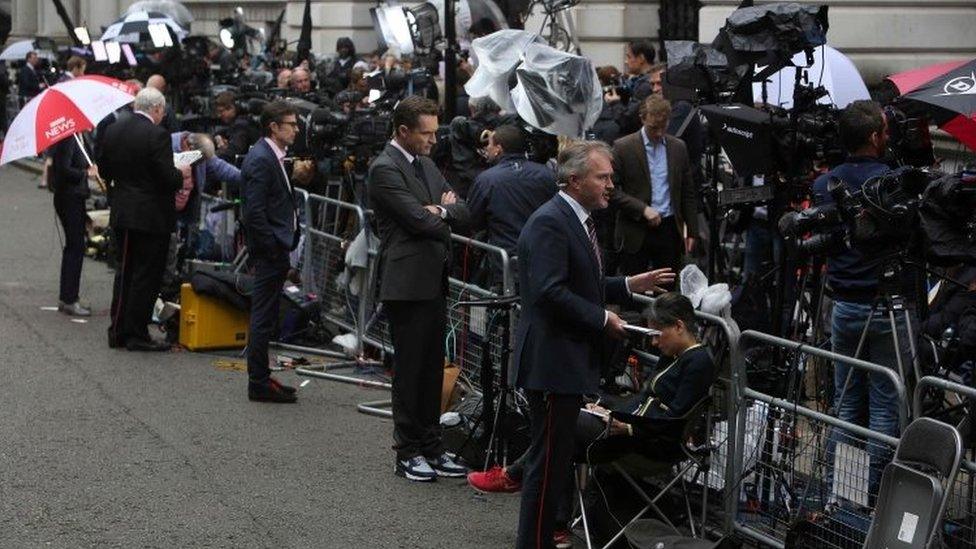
107	448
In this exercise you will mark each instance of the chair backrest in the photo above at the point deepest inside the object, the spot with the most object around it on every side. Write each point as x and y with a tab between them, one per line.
915	486
695	419
932	445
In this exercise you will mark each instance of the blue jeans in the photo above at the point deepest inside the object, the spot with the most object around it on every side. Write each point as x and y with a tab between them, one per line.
862	398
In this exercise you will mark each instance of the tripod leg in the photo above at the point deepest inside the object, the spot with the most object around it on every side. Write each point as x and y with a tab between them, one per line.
894	335
911	345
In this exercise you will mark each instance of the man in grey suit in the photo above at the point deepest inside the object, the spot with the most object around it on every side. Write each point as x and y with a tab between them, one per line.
415	212
654	194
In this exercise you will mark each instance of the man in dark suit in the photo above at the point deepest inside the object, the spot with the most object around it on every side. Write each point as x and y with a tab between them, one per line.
505	195
560	338
29	82
415	212
271	229
137	157
69	180
135	86
655	195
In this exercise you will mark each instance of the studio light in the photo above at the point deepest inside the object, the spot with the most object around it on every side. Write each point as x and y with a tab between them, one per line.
98	51
114	52
393	27
160	36
227	38
81	33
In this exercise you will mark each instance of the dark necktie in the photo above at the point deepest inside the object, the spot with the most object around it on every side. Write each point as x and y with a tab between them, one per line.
419	170
591	232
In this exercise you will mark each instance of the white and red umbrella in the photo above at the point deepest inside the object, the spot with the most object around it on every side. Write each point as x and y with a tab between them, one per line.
62	111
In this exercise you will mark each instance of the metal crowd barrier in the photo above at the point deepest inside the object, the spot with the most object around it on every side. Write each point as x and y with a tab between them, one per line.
333	229
960	519
347	296
788	468
466	328
221	226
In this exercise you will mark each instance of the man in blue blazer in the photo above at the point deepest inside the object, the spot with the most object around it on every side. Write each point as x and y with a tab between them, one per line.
561	334
271	231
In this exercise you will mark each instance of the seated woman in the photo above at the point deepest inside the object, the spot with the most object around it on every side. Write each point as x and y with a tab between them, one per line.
674	389
669	394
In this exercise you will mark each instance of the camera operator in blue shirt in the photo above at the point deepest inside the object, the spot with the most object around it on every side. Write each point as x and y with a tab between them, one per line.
870	400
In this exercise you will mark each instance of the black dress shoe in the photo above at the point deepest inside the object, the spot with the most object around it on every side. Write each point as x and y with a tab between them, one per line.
282	387
269	393
146	346
113	340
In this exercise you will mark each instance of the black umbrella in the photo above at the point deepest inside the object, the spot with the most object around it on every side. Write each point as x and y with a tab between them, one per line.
949	92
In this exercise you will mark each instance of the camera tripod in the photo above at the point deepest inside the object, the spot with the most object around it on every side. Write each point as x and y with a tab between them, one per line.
890	301
494	418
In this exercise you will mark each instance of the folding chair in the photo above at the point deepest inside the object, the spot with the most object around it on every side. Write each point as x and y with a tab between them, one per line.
690	449
915	486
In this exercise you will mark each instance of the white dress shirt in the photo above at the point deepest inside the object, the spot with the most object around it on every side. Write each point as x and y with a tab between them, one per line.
407	155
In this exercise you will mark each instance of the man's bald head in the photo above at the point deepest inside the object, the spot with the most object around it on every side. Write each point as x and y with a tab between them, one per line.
157	81
301	81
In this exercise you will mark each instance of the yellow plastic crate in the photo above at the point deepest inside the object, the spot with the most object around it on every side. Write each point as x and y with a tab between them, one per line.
208	323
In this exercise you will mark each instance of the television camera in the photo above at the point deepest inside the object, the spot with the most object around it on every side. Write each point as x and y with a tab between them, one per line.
924	216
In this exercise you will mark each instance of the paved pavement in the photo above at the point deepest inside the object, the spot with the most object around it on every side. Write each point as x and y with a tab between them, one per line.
106	448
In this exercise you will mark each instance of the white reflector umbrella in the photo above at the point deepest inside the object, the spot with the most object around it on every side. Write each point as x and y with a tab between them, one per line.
831	69
17	51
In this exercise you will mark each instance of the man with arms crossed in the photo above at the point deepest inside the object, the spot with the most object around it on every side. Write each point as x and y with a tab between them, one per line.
415	212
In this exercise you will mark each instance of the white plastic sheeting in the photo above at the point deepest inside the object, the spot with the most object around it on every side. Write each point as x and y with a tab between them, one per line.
552	90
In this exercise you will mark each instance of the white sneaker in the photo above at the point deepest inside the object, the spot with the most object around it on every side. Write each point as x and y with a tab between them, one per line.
416	469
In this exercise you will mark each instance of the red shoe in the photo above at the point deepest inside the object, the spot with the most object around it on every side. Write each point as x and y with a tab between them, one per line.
563	539
494	480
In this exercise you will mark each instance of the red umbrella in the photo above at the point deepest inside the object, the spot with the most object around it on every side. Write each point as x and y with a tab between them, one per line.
62	111
949	92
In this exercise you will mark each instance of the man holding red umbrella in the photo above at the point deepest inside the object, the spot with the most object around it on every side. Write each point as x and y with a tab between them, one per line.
137	157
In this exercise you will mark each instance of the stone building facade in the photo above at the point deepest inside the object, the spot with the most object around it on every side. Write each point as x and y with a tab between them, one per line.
881	36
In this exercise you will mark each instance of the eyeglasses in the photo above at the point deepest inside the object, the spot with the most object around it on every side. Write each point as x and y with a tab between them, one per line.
292	124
